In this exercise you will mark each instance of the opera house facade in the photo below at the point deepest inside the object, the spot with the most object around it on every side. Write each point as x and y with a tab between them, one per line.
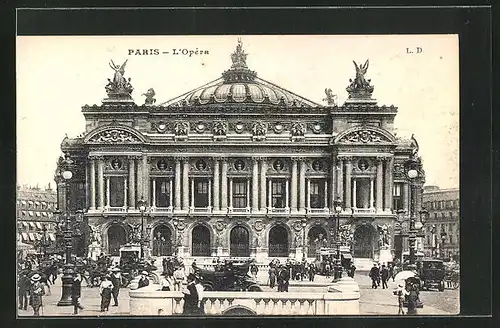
240	167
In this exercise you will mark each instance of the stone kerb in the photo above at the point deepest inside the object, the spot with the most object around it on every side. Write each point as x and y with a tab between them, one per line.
149	302
344	284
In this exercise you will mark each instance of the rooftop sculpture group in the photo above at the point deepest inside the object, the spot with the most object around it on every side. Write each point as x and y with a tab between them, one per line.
119	88
360	87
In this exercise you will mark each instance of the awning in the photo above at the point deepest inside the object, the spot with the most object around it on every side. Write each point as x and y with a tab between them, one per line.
37	202
32	236
52	237
39	225
30	213
25	224
25	236
44	203
38	214
38	236
30	202
44	213
23	202
32	224
24	213
19	237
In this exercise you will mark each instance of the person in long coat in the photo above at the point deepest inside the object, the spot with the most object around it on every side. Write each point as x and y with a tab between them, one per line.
374	275
272	276
116	281
36	293
191	297
384	275
105	289
412	300
23	286
76	293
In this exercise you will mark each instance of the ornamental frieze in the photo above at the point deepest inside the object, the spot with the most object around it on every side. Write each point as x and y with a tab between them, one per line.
364	136
113	136
259	130
181	129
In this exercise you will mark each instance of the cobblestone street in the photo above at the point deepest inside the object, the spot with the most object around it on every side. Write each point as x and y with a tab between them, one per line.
372	302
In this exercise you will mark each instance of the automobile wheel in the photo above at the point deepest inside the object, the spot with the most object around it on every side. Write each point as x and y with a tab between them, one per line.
441	286
207	287
254	288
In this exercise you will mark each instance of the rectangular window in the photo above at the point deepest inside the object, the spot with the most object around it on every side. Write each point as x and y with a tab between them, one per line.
162	192
397	199
278	193
450	215
200	192
317	193
116	188
239	193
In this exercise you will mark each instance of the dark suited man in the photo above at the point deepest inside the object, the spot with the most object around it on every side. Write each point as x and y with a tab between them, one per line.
116	281
374	275
76	293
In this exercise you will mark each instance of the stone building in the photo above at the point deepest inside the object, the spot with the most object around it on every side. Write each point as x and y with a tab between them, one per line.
241	167
442	231
36	223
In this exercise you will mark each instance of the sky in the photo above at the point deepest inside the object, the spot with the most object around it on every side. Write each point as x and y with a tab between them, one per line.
57	75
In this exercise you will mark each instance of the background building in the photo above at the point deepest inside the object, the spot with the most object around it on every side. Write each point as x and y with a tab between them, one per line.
36	223
442	232
240	167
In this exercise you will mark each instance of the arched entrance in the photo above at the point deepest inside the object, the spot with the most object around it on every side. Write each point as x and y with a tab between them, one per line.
278	242
162	241
317	238
116	238
364	242
239	241
200	241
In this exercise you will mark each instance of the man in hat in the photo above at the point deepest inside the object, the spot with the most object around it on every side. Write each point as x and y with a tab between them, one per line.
384	275
143	280
191	297
374	275
105	290
36	293
23	286
116	281
76	292
400	292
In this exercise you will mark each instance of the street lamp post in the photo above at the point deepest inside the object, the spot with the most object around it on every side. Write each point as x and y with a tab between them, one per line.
412	174
67	278
443	240
142	208
303	224
338	209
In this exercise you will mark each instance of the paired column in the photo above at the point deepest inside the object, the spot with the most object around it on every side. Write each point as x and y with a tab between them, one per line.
145	174
371	194
302	186
388	183
153	196
185	184
108	194
177	184
131	182
140	181
293	185
379	205
216	185
92	183
354	196
100	178
333	184
263	194
125	200
406	197
231	193
340	180
223	186
348	189
255	185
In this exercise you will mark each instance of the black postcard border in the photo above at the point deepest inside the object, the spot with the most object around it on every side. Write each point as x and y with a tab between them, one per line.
473	24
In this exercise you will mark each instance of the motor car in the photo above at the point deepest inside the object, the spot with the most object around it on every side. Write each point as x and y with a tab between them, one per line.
232	276
432	274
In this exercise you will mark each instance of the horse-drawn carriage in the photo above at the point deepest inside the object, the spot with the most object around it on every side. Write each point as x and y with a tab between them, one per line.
232	276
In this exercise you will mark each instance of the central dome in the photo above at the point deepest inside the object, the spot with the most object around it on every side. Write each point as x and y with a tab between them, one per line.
240	85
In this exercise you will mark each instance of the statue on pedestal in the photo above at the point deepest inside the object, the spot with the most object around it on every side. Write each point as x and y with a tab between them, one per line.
119	87
383	231
360	87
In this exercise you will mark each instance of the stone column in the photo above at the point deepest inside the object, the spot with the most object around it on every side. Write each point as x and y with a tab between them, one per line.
379	204
170	193
270	193
223	186
216	185
125	192
108	200
406	197
333	185
230	193
145	173
192	194
388	183
185	184
371	193
255	185
177	184
153	196
309	194
354	196
248	194
348	189
340	180
263	178
140	180
131	182
293	186
302	186
209	194
287	194
100	178
92	183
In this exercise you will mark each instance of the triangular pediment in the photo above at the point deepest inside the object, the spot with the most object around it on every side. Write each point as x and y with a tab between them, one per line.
365	135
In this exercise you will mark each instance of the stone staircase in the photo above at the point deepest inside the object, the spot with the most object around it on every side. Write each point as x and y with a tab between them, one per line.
363	264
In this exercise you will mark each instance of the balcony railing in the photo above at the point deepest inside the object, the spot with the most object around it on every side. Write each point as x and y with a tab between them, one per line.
318	210
162	209
115	209
364	210
207	209
279	209
239	209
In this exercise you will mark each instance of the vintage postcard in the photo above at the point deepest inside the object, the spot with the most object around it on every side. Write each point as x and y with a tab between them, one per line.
216	175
